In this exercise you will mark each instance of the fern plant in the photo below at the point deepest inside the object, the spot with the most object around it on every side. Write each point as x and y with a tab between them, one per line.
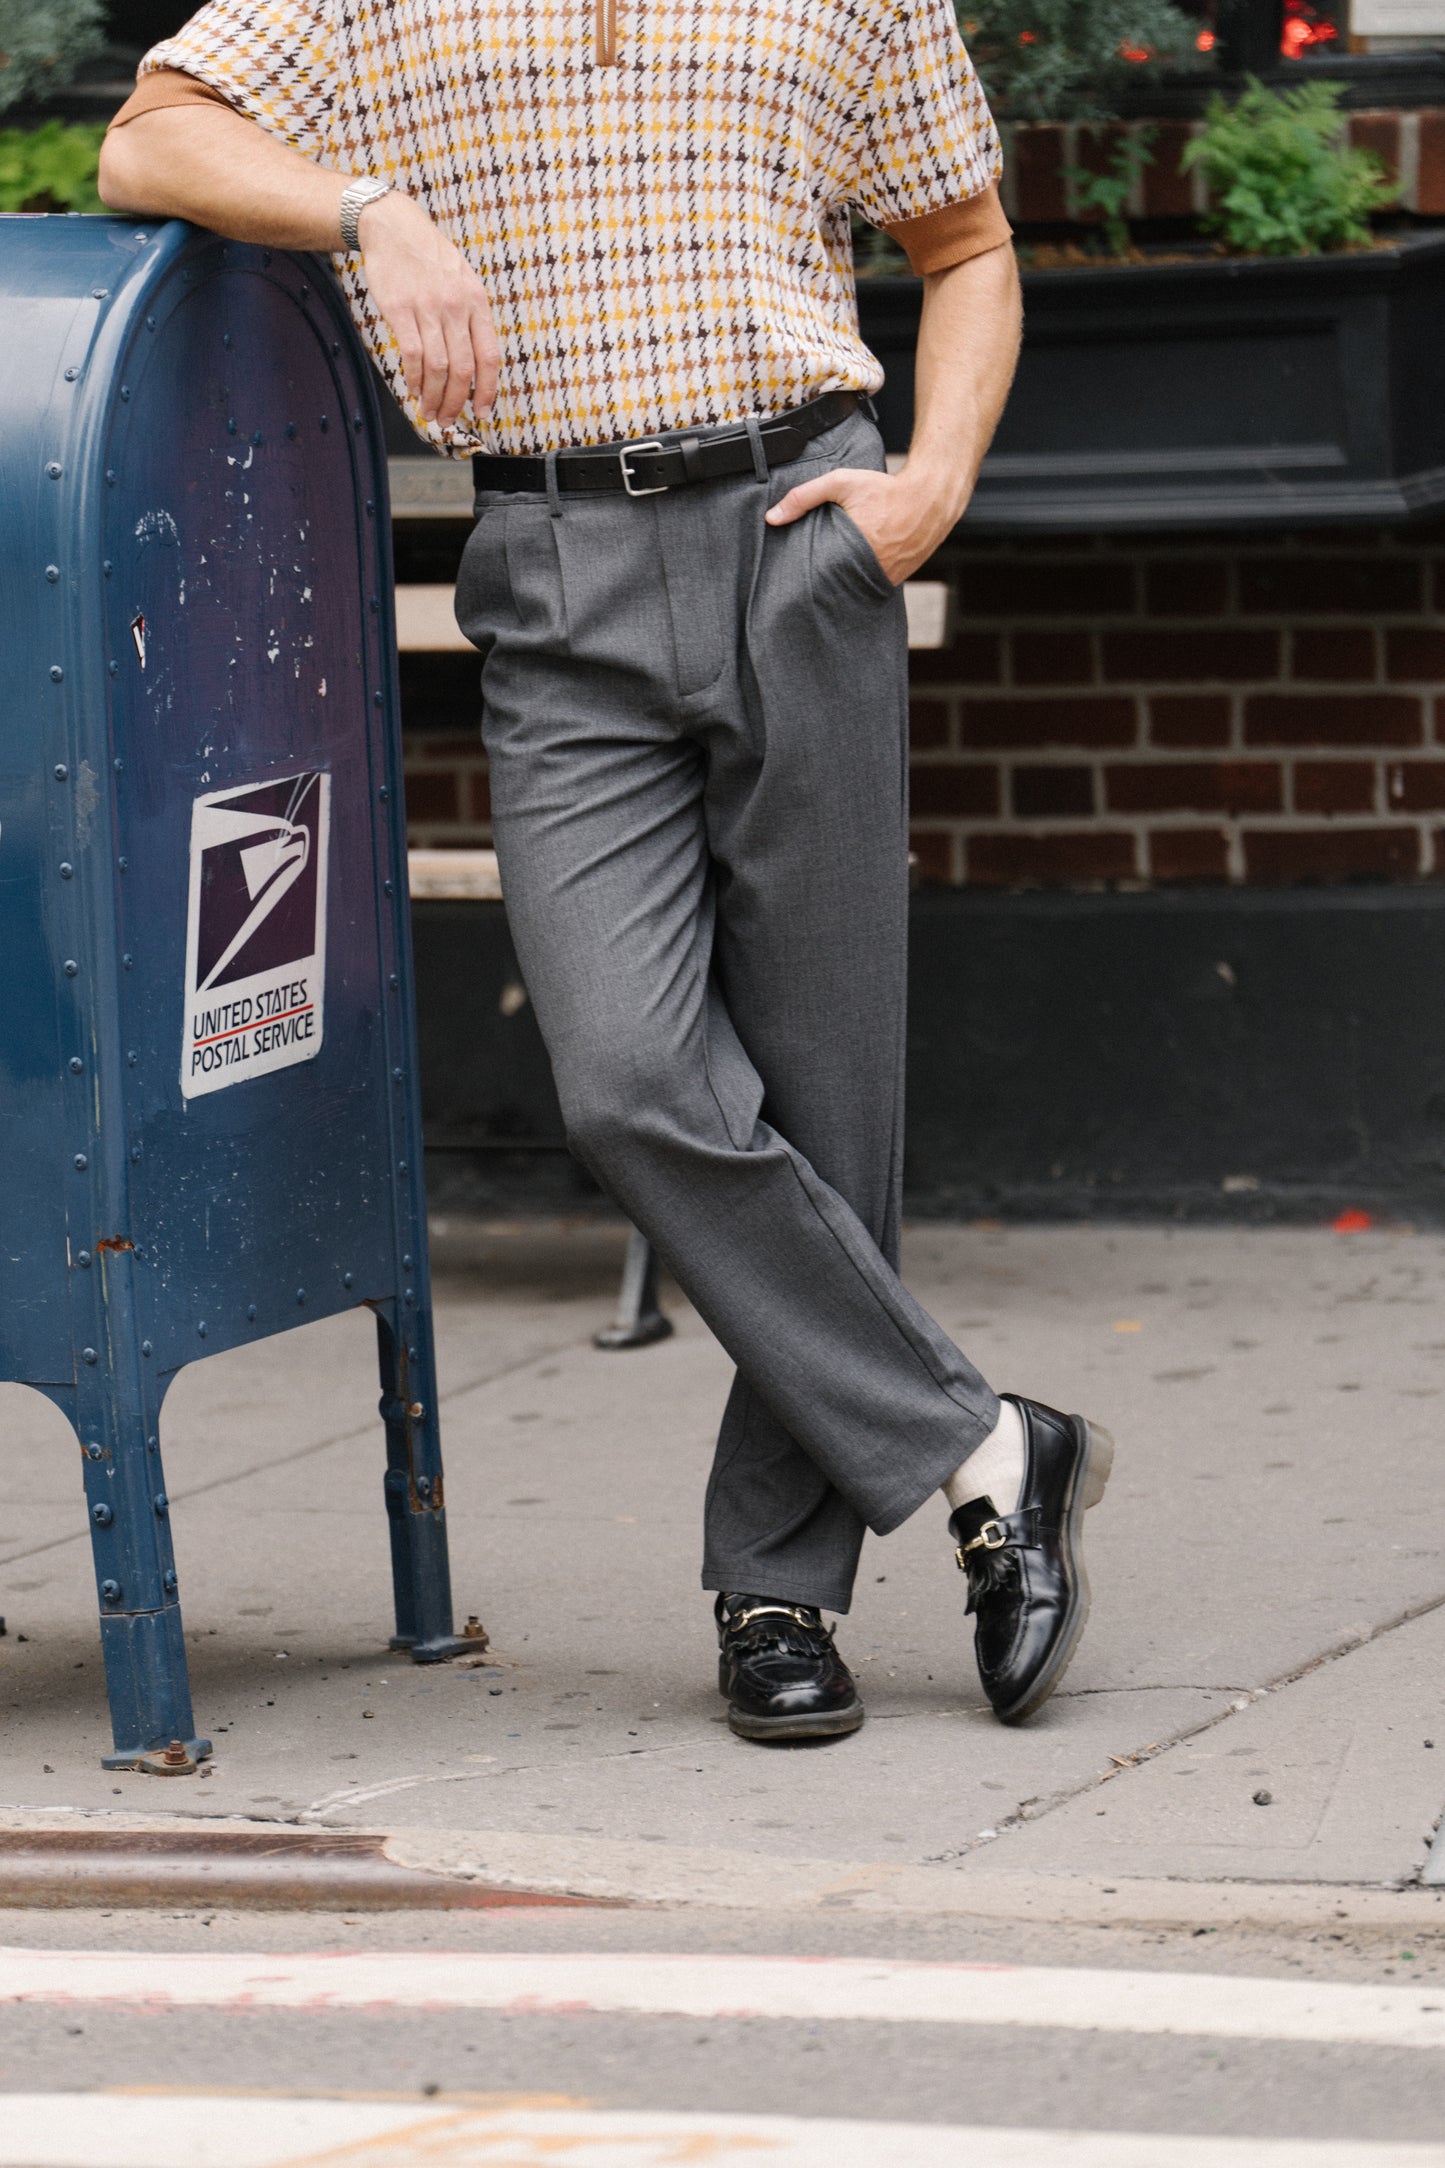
43	42
1071	59
51	168
1283	179
1108	192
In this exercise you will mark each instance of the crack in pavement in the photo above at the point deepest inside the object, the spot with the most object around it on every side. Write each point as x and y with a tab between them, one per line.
1186	1686
1029	1812
1039	1809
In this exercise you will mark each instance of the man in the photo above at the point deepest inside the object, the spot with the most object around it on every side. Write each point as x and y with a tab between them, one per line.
606	251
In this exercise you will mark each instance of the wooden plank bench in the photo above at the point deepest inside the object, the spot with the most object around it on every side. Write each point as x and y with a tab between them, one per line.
426	623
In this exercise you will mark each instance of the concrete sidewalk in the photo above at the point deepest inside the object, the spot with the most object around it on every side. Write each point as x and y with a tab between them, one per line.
1254	1720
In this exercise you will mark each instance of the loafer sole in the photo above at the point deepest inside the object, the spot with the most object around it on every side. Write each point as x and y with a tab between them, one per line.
1090	1478
821	1724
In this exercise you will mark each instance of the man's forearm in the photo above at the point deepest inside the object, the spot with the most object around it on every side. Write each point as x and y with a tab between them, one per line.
968	346
211	165
218	169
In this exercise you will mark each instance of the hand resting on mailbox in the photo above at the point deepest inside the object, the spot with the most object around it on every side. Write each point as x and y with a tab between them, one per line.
204	161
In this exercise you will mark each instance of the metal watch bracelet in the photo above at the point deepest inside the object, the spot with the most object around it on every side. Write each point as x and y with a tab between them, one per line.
354	198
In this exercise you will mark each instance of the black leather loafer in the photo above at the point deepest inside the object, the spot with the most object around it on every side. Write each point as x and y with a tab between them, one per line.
1027	1587
780	1671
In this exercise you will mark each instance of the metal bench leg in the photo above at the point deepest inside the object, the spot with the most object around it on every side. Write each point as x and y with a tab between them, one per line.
639	1321
146	1680
415	1504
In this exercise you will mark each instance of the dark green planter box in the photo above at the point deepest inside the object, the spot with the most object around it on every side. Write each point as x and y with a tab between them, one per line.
1273	391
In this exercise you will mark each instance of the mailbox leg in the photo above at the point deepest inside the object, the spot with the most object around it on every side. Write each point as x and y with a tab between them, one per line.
141	1641
415	1500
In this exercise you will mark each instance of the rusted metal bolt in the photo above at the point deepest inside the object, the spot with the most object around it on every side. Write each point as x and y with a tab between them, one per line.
175	1756
416	1409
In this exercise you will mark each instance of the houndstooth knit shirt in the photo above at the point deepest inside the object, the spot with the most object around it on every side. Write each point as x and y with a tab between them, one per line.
655	193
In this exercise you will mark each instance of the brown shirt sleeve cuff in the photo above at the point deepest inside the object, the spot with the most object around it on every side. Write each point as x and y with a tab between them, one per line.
940	239
168	86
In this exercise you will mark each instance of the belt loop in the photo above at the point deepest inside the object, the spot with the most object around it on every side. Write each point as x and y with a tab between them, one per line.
554	493
755	438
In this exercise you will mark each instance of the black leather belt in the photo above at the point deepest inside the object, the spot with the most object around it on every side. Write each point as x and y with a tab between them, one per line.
655	463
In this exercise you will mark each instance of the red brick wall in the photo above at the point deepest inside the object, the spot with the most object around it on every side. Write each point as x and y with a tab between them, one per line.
1245	709
1195	709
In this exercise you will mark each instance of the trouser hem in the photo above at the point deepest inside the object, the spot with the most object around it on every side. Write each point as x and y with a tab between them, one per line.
745	1577
974	1428
750	1580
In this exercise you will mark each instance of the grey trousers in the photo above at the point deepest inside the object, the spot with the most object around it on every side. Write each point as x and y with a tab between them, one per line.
696	728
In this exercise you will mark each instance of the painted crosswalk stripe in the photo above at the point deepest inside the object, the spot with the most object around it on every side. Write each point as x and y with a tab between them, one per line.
57	2130
817	1989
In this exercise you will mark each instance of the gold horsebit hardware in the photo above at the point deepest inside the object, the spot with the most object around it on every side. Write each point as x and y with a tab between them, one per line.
993	1536
771	1610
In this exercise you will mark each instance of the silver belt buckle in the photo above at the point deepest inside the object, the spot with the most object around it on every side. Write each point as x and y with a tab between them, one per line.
644	444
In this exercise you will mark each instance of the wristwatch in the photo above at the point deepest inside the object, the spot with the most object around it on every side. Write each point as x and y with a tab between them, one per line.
354	198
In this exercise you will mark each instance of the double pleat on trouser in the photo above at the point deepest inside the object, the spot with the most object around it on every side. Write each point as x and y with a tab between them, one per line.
696	729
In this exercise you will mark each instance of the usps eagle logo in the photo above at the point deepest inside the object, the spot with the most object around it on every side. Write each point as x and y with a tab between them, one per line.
256	931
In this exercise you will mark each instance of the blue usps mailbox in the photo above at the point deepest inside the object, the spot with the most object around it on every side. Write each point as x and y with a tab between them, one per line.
206	1036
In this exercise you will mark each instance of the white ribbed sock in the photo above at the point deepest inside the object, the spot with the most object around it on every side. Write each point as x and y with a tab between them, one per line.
994	1469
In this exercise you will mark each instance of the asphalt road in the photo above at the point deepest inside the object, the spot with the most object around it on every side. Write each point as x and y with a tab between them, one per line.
1045	2079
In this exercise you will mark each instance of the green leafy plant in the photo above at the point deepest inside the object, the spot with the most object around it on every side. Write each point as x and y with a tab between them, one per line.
1109	192
1071	59
43	42
50	168
1283	179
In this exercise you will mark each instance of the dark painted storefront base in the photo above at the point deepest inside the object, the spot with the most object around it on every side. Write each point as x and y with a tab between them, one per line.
1234	1055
